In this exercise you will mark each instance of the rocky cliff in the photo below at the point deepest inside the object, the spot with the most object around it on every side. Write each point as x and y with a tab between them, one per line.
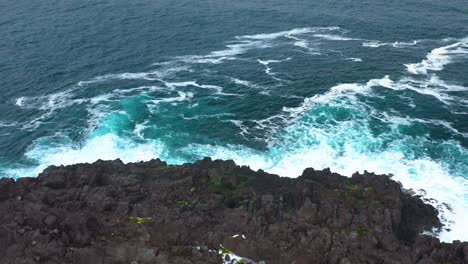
213	212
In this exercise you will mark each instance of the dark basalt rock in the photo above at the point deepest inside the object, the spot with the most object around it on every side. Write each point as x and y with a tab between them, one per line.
151	212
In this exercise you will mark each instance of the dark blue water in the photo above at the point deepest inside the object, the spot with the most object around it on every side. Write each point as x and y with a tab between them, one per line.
277	85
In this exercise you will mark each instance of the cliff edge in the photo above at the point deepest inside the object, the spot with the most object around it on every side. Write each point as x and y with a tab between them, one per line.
214	212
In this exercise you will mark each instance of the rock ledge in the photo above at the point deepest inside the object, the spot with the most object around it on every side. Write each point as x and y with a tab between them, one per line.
152	212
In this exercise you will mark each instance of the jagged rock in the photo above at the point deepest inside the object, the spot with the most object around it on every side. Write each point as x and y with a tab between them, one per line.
152	212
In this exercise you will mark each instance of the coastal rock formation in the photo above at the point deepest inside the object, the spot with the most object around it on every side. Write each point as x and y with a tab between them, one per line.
210	211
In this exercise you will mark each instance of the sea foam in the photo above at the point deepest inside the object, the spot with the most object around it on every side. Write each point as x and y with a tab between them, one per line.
331	129
439	57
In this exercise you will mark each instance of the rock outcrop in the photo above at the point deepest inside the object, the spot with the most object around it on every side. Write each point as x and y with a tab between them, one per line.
151	212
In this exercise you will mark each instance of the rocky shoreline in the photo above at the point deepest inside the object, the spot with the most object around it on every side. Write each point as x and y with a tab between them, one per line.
210	211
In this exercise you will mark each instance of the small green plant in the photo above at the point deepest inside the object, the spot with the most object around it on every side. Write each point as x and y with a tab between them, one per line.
311	181
183	202
244	183
223	251
360	199
351	186
220	186
341	192
363	231
446	262
140	220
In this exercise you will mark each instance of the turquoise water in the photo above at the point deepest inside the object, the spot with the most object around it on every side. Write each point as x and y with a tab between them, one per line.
379	86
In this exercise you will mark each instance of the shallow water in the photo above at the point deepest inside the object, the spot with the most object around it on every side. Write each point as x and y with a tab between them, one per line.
375	85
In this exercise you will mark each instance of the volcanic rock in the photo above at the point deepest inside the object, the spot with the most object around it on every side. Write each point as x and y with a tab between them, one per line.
212	211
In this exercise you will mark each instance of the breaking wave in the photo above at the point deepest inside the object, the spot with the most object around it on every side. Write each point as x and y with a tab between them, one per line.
439	57
159	113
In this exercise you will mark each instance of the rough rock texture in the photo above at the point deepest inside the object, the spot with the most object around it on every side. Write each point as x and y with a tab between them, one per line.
151	212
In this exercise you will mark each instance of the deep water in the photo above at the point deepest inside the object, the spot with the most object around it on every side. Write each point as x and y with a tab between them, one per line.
277	85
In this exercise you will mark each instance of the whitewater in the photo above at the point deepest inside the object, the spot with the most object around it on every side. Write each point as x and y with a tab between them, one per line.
191	106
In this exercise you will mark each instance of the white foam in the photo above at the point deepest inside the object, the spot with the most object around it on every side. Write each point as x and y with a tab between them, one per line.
229	53
240	48
139	129
244	130
204	59
106	147
244	83
218	89
268	69
439	57
292	37
155	75
174	85
354	59
263	90
182	96
288	33
396	44
399	44
434	80
245	43
59	100
8	124
305	45
442	123
101	98
198	117
373	44
348	90
20	101
120	76
267	62
432	86
48	102
302	44
334	37
407	120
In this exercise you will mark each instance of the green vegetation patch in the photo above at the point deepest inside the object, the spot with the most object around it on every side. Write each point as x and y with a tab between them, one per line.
223	251
341	192
363	231
351	186
360	199
183	202
245	182
235	259
221	187
140	220
310	181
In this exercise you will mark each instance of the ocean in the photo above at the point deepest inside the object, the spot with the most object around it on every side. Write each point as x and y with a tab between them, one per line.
276	85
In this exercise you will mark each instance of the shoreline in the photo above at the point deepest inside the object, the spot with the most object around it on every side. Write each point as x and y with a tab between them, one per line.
111	212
